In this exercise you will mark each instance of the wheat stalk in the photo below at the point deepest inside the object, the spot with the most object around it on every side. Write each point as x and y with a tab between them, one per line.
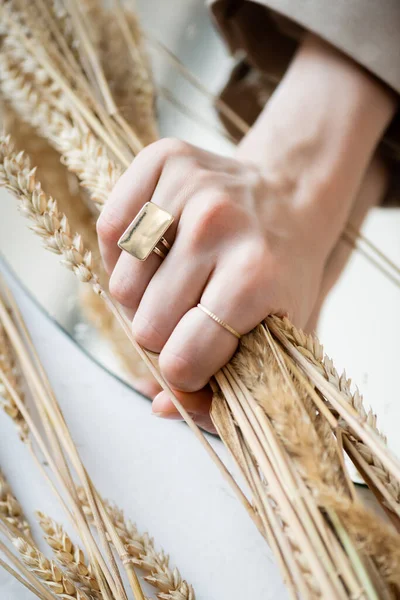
295	425
16	175
295	431
24	575
140	551
71	200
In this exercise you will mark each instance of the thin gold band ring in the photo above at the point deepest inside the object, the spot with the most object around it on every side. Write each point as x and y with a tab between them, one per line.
162	253
219	321
165	243
159	252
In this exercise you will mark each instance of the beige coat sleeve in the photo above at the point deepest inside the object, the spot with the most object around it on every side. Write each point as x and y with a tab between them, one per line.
366	30
268	32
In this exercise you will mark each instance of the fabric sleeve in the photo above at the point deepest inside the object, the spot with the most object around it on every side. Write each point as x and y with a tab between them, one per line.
366	30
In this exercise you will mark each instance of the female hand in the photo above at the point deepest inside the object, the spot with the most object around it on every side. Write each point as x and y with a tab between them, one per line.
251	234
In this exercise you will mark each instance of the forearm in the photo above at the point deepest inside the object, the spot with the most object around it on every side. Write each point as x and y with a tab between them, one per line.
318	133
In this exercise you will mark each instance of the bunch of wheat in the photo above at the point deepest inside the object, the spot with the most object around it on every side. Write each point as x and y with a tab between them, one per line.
87	572
280	407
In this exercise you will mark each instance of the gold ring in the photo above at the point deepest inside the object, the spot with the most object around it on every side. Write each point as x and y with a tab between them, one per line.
146	231
219	321
165	243
159	252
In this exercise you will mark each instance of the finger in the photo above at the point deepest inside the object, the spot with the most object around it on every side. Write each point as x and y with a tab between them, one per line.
175	288
198	347
131	192
130	277
197	405
175	284
147	386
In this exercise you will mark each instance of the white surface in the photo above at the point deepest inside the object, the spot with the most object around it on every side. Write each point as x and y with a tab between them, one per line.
360	325
153	469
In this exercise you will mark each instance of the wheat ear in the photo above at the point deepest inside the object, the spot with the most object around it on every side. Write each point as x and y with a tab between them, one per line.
310	348
11	510
140	550
81	151
9	368
70	556
51	225
47	571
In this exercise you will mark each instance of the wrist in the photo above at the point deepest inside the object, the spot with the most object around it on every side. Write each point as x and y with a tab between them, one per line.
318	133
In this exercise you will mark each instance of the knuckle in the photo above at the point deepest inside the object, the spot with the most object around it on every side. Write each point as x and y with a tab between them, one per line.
161	151
178	370
203	177
146	333
213	217
171	147
256	267
182	166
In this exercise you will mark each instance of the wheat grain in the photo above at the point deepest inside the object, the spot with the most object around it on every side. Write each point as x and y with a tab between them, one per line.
70	556
140	550
11	510
47	571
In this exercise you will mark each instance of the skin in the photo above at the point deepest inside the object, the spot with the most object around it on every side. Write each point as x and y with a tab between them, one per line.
255	234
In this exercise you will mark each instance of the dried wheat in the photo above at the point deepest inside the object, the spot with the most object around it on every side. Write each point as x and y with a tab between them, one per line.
125	65
11	510
140	550
70	556
9	369
52	226
374	537
47	571
289	412
81	151
311	348
292	423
